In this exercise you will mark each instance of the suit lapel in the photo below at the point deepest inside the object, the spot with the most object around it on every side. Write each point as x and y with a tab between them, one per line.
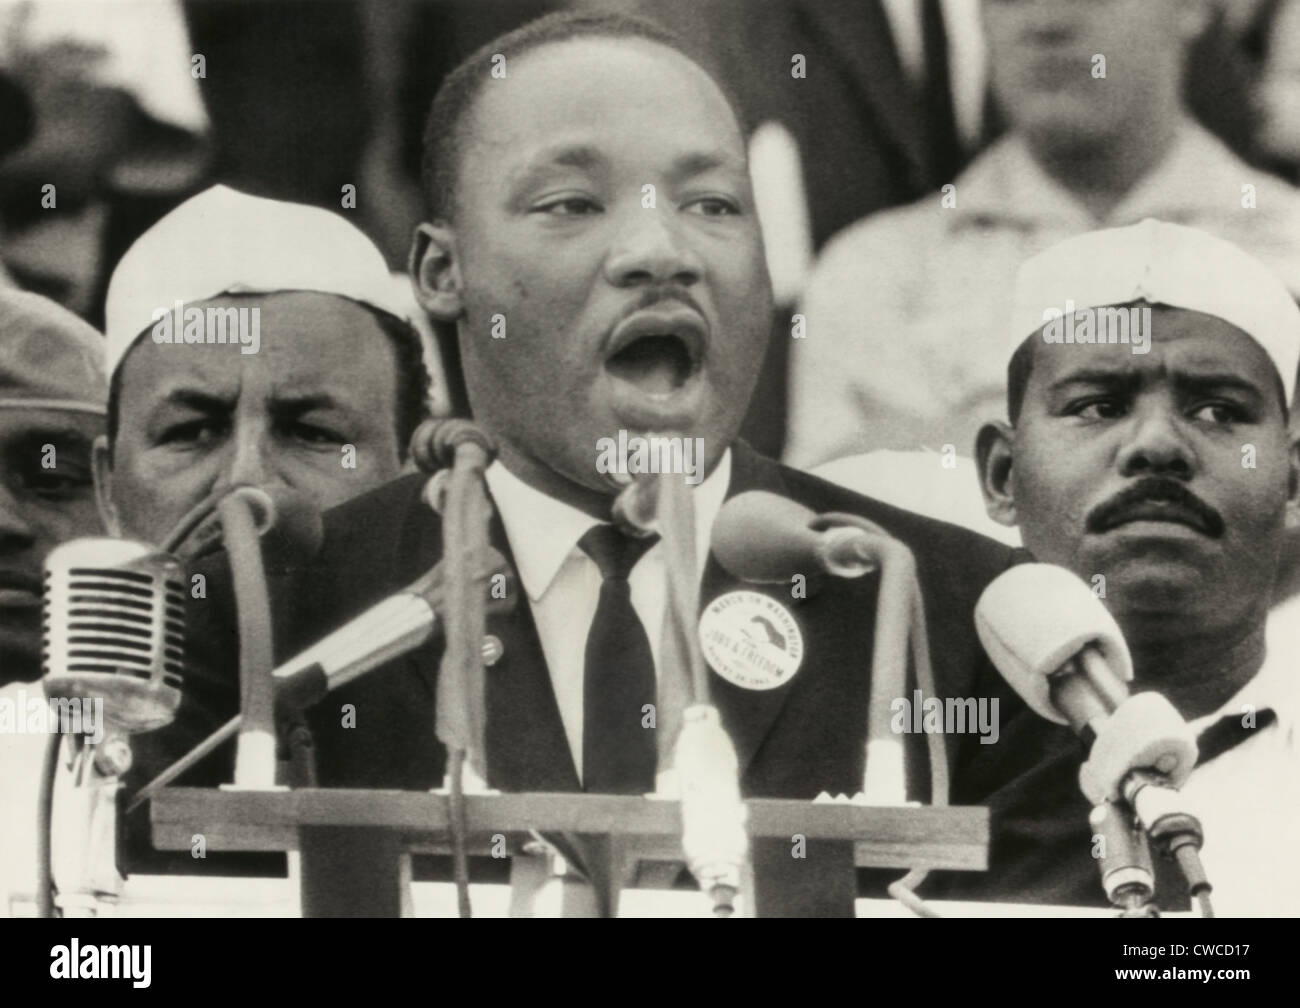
527	749
861	36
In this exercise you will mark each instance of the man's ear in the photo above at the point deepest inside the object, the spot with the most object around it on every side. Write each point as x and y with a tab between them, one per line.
993	458
1293	478
435	272
101	461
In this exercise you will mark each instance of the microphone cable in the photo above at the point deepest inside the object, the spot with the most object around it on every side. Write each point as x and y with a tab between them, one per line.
45	828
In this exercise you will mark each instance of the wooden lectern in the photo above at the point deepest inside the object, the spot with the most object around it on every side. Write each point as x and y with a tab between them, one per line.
355	845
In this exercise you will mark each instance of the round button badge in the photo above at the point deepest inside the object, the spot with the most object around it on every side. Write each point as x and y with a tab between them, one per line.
751	640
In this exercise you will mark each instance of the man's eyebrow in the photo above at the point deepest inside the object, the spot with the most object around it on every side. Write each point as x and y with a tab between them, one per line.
70	437
305	402
586	158
1201	380
198	399
699	162
581	156
1091	376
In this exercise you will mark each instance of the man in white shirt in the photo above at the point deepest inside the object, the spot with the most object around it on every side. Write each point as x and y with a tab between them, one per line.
904	310
1148	451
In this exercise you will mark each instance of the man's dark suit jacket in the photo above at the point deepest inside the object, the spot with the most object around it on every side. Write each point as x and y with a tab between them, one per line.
795	741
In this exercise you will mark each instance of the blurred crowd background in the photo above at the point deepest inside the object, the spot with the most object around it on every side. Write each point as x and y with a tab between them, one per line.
129	106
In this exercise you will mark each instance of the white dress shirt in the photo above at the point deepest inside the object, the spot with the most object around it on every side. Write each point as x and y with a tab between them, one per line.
563	583
1248	799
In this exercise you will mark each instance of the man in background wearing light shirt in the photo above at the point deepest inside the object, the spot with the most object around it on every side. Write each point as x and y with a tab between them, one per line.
1161	471
904	309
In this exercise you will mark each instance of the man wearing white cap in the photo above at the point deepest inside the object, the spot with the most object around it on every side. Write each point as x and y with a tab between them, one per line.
51	408
1148	451
252	341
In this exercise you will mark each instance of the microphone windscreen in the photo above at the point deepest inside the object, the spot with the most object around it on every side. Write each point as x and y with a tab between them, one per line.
1034	618
114	628
763	537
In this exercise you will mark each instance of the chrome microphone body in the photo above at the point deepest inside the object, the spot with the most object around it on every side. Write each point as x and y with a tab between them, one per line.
113	636
115	628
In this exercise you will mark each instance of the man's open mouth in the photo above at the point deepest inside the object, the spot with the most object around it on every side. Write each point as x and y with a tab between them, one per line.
657	364
655	358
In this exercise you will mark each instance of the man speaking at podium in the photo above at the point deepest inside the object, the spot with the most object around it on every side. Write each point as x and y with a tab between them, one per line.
592	240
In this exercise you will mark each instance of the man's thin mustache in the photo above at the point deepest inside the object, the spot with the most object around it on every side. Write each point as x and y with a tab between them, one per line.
1154	488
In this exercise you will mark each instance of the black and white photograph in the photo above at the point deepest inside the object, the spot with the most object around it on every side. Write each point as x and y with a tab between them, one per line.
649	458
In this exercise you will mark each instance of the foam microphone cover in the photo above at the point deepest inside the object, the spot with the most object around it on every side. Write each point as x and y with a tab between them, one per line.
764	537
1034	618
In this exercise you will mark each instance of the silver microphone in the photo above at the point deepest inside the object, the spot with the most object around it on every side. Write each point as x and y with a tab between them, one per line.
114	627
113	636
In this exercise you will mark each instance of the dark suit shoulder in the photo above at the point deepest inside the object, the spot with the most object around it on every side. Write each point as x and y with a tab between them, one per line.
377	517
953	551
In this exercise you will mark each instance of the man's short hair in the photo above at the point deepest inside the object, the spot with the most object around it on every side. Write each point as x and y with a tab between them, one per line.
1022	362
412	380
444	130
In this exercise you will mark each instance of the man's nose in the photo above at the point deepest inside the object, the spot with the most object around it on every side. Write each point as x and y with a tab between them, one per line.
1157	444
253	459
651	249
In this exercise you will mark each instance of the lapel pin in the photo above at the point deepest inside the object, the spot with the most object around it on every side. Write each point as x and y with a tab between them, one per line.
751	640
493	649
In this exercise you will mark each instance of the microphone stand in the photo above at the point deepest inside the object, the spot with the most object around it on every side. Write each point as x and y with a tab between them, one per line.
458	492
715	837
900	627
1125	860
255	764
900	624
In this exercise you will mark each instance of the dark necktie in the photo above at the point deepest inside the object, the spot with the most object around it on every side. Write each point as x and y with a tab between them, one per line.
619	756
936	94
1228	732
